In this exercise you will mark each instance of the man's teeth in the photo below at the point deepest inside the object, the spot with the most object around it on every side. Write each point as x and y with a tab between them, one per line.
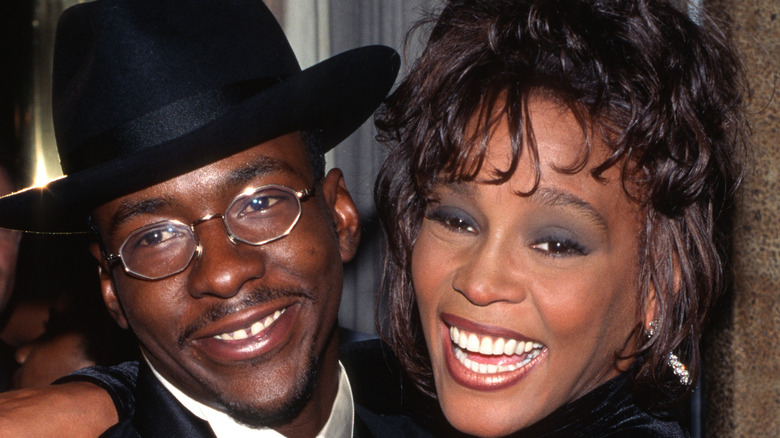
489	346
252	330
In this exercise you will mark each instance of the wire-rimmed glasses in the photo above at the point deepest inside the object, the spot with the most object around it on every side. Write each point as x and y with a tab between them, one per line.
257	216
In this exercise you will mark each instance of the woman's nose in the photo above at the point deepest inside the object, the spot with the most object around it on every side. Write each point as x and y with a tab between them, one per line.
488	273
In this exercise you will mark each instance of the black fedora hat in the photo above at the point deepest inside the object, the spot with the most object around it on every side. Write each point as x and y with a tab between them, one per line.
146	90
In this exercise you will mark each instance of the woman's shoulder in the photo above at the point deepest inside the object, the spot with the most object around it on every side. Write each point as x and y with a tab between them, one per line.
634	422
607	411
623	417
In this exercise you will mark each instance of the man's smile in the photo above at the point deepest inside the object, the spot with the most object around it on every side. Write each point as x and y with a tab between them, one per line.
257	324
252	330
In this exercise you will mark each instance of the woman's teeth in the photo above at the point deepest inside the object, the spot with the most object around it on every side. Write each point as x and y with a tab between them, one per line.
489	346
252	330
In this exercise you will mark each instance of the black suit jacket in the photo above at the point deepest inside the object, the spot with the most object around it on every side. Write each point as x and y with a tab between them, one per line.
155	412
7	366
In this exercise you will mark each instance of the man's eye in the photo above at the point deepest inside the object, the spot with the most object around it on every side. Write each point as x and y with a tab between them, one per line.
158	236
260	203
559	247
264	204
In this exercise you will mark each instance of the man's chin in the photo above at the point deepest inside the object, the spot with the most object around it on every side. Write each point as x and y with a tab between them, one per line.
281	412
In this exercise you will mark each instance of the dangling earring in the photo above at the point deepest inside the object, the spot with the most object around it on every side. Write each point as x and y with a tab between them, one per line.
672	360
679	369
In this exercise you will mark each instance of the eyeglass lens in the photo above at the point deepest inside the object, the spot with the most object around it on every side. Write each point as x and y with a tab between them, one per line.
257	217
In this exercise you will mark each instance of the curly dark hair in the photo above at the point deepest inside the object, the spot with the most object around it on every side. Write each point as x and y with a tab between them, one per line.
665	93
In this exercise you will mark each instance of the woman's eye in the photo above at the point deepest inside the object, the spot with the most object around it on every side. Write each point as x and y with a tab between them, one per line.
559	247
452	220
458	224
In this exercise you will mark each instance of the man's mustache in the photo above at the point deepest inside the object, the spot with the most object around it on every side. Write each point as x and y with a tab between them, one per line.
253	298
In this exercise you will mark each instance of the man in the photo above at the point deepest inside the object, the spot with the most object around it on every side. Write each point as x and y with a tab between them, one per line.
194	143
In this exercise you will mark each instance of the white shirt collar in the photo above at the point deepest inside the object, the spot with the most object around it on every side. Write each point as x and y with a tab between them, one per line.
340	423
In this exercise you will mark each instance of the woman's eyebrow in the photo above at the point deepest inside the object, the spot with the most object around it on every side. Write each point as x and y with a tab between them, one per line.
459	187
560	198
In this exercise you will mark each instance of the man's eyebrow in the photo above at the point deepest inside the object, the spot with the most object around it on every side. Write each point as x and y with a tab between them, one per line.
560	198
130	209
261	166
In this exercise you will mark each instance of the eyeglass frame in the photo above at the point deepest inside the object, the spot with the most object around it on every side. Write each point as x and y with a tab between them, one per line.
300	196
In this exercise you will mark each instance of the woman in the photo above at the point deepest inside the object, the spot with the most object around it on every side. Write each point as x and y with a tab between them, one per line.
559	178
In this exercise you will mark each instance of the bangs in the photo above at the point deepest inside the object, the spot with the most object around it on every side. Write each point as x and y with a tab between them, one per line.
458	145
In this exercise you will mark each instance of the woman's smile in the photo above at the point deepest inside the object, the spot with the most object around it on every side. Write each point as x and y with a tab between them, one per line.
487	358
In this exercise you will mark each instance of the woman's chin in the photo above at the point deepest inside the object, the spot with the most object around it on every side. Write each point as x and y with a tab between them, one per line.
483	417
482	426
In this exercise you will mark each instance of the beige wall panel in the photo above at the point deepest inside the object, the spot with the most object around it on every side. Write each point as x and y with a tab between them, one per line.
742	357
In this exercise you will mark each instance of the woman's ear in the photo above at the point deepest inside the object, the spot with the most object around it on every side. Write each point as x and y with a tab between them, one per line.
651	308
107	288
653	300
344	213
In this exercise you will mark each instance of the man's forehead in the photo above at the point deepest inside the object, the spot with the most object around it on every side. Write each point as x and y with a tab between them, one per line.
284	155
262	165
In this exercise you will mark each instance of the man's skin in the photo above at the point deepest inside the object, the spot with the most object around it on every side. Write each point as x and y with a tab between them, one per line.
289	376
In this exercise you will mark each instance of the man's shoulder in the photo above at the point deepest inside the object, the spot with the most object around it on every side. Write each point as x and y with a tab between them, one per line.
118	380
157	413
123	429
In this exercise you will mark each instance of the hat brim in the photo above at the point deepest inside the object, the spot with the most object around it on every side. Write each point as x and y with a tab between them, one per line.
334	96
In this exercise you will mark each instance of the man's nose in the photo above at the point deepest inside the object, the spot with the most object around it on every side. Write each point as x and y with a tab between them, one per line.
222	265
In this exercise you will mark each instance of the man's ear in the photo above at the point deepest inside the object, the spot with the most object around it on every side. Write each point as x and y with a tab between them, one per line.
344	213
107	288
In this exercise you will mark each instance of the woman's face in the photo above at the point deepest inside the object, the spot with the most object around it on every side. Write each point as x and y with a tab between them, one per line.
526	301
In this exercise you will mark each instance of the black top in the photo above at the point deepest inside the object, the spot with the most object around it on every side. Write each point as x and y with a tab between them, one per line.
607	411
381	392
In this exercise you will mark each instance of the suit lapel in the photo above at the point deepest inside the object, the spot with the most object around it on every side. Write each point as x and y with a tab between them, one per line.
159	414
